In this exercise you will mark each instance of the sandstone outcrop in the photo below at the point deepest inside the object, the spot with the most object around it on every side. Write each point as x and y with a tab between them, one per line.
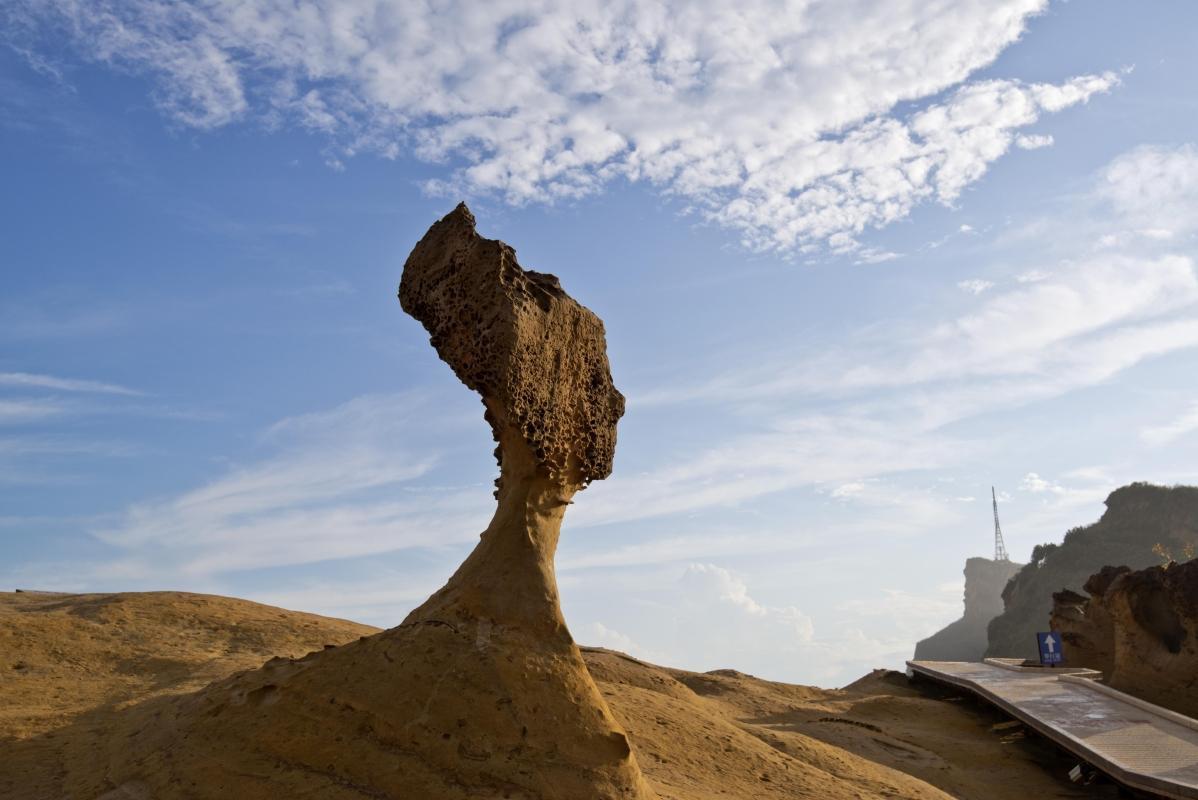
1140	627
965	639
1139	520
1085	624
480	692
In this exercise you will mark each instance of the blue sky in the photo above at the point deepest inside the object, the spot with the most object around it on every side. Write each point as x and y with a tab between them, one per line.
857	262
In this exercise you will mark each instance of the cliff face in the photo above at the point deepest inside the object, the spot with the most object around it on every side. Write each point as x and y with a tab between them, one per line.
1140	627
1138	517
965	639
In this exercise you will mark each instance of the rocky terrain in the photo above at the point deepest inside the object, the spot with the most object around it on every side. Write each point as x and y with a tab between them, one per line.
74	667
965	639
1140	627
1140	522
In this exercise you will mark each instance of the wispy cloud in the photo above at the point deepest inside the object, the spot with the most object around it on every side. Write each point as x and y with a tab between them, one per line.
37	318
779	124
1033	141
795	452
29	380
29	410
1098	311
975	286
334	484
886	400
703	615
62	445
1183	425
1154	189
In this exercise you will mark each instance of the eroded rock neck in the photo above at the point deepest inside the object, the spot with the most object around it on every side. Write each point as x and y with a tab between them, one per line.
509	577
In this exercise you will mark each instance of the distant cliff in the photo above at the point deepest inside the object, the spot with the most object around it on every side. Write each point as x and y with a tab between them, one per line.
1138	518
1140	627
965	639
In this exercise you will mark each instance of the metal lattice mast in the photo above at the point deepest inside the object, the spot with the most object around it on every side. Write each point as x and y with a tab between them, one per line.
1000	549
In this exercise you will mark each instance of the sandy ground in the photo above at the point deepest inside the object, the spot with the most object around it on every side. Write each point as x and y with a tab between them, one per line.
72	664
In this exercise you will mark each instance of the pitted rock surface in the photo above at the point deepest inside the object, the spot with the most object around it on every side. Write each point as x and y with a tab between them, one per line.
1140	627
538	358
480	692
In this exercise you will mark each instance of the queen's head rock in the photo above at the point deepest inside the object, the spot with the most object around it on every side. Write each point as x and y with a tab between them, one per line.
480	692
537	357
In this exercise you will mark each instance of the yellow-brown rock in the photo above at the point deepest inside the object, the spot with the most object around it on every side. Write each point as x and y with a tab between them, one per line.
1140	627
480	692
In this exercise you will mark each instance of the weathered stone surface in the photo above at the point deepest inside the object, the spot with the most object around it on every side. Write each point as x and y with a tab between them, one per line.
965	639
480	692
1085	624
537	357
1140	627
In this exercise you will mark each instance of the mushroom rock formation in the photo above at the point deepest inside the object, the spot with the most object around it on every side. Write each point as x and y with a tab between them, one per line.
480	692
539	360
1141	628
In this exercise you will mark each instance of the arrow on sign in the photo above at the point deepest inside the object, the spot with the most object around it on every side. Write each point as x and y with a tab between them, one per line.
1050	643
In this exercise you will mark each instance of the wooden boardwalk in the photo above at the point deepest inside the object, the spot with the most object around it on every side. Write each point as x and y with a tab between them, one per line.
1138	744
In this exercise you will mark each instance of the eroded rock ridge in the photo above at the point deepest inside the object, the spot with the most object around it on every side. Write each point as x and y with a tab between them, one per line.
1140	627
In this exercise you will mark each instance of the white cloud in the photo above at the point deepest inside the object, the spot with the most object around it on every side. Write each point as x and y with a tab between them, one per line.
1033	276
60	445
1185	424
714	601
870	255
21	411
773	121
848	489
1033	141
975	286
28	380
600	635
790	452
1079	325
335	484
1022	330
708	580
887	396
708	618
1154	189
1036	485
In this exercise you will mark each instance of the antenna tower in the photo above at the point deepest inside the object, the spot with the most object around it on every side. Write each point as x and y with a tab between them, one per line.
1000	549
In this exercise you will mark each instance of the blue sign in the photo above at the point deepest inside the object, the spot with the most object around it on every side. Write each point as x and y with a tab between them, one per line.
1050	647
